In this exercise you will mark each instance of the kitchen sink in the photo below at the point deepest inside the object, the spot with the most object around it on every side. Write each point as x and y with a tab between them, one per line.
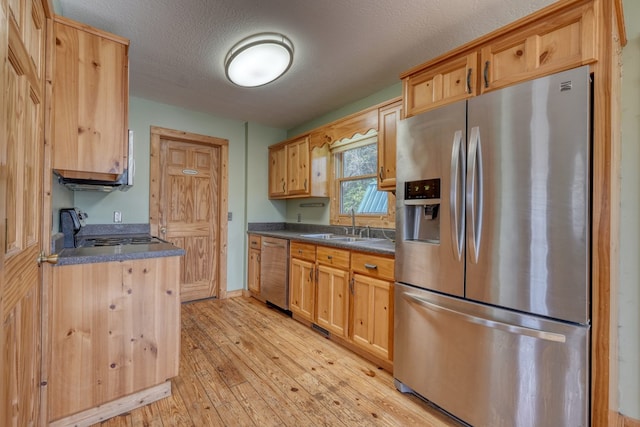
343	238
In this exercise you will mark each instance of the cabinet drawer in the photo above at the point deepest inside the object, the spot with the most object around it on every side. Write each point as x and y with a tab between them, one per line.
254	241
333	256
306	251
373	265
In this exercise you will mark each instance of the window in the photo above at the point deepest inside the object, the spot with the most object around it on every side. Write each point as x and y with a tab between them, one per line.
355	184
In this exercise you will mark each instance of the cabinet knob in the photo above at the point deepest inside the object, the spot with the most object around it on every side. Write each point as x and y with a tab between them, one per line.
51	259
163	230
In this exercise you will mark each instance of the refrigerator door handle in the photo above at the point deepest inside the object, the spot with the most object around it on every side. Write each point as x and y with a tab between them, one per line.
495	324
457	189
474	194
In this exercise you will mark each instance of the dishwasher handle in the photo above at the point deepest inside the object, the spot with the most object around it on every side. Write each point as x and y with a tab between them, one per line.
273	245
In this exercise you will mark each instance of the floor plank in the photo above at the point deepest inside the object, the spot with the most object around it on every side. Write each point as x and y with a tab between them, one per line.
245	364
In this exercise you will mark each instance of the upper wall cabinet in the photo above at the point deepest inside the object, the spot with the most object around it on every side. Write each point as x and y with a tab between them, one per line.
444	83
565	38
564	41
89	102
296	170
388	118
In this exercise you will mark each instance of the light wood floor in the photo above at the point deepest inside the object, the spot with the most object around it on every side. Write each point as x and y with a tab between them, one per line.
245	364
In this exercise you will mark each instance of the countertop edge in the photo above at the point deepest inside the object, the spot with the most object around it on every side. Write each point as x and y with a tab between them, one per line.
296	236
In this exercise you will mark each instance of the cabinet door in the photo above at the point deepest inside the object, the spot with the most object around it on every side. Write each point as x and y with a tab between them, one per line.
254	271
373	315
559	43
301	286
278	171
298	166
90	103
332	299
388	118
442	84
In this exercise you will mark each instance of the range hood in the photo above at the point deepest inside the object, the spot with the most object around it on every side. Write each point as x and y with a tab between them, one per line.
122	183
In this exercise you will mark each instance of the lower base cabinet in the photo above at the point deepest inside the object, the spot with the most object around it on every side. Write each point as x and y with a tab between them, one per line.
113	330
347	293
332	309
302	288
372	318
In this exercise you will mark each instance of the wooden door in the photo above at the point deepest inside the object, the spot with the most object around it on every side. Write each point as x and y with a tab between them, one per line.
188	206
332	300
21	154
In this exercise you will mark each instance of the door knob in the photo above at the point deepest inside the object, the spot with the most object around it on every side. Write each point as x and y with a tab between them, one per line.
163	230
51	259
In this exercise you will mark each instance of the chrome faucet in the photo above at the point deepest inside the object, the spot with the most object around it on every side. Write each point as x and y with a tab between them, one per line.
353	221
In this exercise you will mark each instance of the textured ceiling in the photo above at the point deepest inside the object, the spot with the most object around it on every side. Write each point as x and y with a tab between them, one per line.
345	50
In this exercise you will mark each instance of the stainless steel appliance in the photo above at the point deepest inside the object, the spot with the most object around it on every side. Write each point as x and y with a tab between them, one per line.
493	255
274	271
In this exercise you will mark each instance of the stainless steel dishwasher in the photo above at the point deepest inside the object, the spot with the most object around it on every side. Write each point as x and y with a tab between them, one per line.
274	272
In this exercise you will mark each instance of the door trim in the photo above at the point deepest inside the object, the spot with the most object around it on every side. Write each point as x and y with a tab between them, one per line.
158	133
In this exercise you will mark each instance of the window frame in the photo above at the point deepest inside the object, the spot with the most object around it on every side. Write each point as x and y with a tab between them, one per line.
382	220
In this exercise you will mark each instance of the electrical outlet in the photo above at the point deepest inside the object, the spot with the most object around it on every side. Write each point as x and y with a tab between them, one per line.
299	217
117	217
229	216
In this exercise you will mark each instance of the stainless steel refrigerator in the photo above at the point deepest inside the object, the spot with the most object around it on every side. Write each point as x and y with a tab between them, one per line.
492	300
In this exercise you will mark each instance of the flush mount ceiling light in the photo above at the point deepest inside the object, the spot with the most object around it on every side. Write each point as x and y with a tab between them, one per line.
258	59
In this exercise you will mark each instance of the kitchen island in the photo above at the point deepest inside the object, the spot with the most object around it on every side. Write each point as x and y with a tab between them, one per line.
112	338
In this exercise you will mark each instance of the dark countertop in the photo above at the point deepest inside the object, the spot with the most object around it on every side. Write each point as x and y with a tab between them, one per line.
375	246
89	255
70	256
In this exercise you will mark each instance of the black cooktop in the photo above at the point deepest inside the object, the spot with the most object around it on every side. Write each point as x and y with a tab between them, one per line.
118	241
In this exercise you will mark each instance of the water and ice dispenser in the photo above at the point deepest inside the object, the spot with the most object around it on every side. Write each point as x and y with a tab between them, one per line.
422	211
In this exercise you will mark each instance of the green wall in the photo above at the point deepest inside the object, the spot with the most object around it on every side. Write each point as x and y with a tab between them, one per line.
629	291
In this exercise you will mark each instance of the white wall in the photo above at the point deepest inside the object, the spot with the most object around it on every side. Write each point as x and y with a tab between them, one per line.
629	291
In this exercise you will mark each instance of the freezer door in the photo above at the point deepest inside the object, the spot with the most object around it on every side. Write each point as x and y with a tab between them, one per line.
431	150
528	183
488	366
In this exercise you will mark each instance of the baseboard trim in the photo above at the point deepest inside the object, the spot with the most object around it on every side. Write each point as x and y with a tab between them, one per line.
624	421
115	407
234	294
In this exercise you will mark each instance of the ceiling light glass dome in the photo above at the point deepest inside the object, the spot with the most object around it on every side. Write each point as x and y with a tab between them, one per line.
259	59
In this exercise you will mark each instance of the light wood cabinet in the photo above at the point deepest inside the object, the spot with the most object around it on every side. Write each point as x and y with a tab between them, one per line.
89	102
332	294
253	271
520	52
444	83
302	281
564	41
114	329
371	325
302	288
298	155
278	171
388	118
332	308
296	170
